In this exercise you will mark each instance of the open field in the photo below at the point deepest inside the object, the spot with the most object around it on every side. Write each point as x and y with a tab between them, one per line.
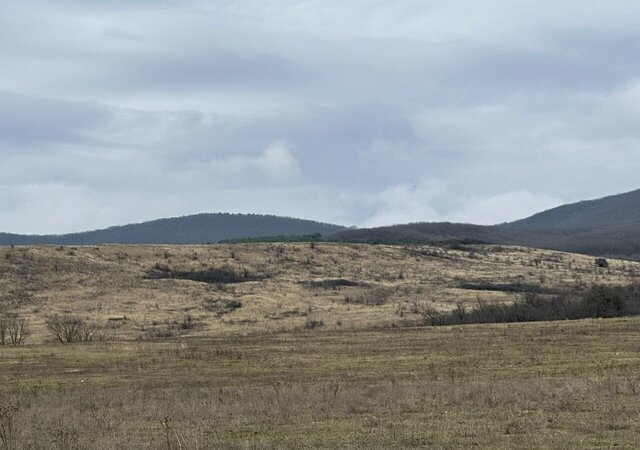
144	292
265	346
544	385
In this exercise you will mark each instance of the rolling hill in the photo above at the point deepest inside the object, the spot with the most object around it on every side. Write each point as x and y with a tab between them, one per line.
195	229
615	210
608	227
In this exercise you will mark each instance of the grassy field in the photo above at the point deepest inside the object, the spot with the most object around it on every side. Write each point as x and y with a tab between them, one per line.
545	385
246	371
281	287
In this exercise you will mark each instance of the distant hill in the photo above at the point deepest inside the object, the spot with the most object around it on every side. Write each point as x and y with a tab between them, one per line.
615	210
608	227
195	229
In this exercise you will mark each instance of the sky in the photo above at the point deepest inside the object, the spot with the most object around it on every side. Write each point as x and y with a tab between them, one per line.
361	113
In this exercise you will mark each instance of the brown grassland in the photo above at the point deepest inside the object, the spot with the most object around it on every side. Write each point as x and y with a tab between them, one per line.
310	347
288	285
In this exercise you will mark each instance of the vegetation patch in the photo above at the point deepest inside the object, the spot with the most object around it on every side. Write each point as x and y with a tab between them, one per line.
315	237
333	283
599	301
222	275
505	287
286	314
222	306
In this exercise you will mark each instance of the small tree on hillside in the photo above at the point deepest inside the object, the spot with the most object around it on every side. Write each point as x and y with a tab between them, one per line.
67	329
13	330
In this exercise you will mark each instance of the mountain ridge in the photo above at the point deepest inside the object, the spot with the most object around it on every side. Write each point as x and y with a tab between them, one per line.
191	229
608	226
611	210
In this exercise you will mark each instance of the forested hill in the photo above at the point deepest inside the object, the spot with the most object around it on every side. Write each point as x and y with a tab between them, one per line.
606	227
615	210
195	229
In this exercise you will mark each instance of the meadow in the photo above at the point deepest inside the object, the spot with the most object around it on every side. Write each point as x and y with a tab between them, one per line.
150	292
310	346
573	384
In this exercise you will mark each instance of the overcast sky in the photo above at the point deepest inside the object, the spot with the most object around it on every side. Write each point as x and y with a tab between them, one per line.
354	112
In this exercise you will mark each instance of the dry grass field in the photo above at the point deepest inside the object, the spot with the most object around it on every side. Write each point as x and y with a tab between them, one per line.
125	291
561	385
268	346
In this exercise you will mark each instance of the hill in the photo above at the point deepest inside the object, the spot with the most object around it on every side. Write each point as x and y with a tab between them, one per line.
608	227
614	210
144	292
195	229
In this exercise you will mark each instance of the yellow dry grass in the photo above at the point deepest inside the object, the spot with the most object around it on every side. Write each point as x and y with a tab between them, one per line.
560	385
109	285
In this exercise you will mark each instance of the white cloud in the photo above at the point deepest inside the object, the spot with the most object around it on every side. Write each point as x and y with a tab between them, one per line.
276	162
505	207
404	204
362	112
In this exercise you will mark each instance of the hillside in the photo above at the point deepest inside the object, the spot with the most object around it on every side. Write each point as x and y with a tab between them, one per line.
614	210
147	292
607	227
195	229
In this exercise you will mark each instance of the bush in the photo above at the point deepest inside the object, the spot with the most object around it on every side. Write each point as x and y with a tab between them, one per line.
7	427
222	306
371	297
312	324
67	329
602	262
597	301
13	330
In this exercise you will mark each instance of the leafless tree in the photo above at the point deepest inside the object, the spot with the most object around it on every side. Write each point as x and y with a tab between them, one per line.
68	329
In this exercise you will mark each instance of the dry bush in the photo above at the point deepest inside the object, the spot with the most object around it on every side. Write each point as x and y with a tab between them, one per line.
312	324
599	301
188	323
222	306
67	329
7	427
13	330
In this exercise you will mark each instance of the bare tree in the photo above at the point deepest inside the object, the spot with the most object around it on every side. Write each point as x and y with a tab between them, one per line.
4	324
18	330
68	329
13	330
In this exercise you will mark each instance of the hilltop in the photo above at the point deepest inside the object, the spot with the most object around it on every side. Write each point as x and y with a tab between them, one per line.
611	211
609	227
194	229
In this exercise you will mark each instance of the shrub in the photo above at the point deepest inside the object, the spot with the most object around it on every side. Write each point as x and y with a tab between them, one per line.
7	428
597	301
372	297
602	262
188	323
13	330
312	324
222	306
67	329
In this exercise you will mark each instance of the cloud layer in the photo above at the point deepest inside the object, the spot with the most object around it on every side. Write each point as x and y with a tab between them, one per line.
360	113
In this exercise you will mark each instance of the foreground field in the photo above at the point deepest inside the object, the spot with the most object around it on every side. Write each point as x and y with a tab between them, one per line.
544	385
149	292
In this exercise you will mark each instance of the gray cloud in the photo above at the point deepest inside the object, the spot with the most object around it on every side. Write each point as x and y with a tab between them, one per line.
359	112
